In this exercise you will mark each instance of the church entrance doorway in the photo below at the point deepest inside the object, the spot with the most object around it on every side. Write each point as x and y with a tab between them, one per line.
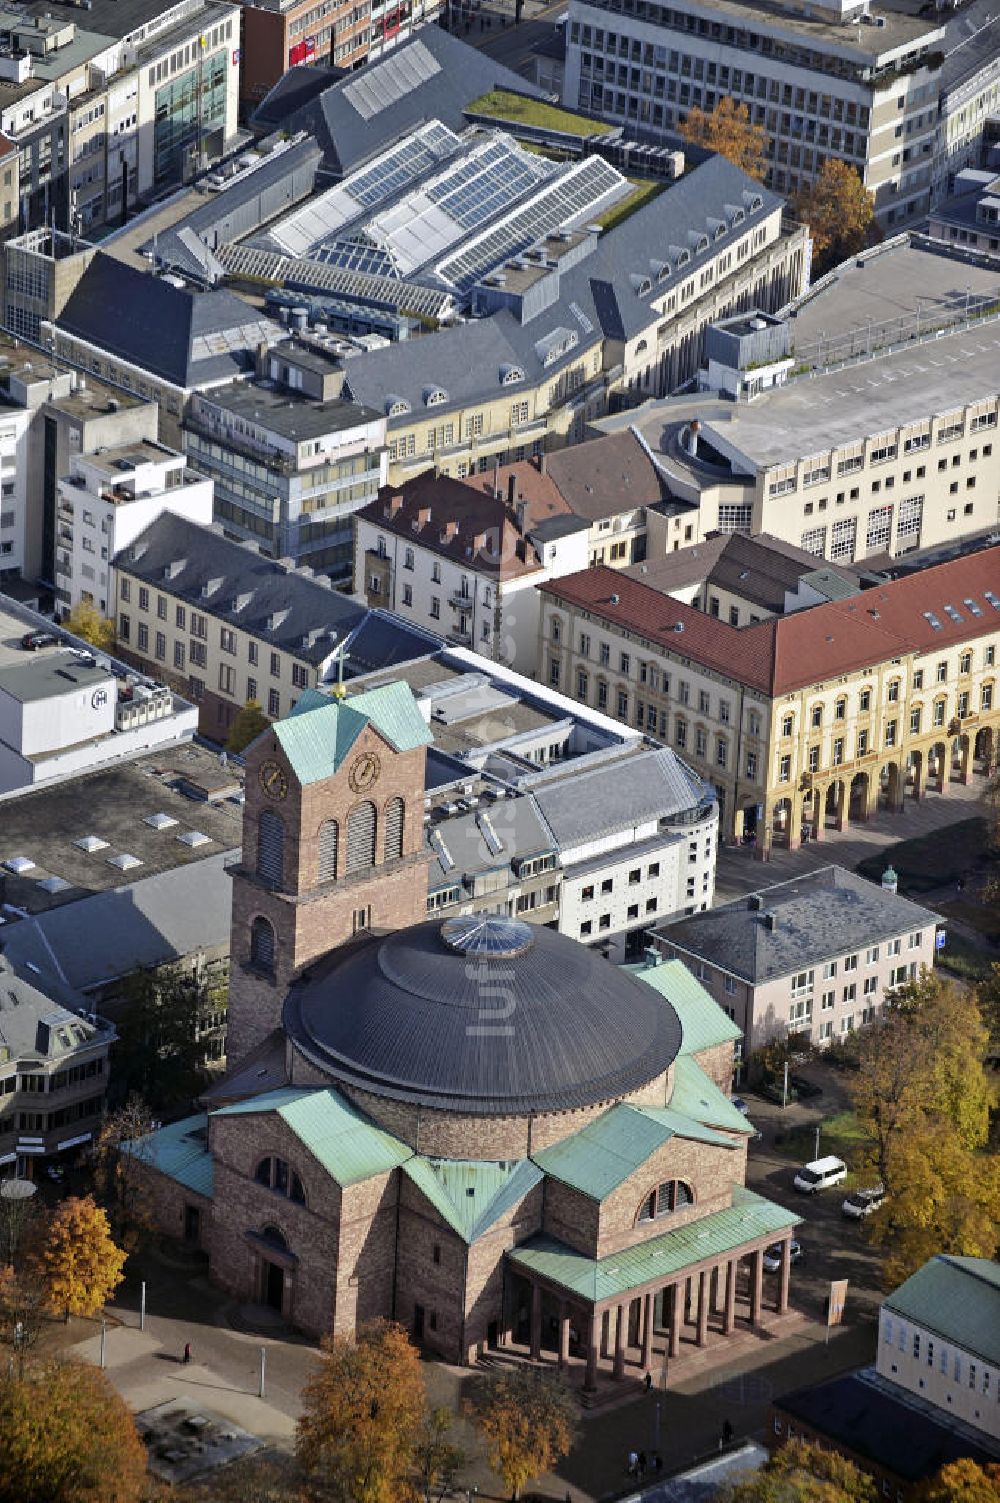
274	1286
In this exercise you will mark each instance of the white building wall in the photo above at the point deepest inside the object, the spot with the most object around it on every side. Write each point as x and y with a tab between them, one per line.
14	427
64	720
952	1378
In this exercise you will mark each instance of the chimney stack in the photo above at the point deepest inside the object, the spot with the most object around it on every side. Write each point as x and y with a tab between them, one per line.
511	489
521	512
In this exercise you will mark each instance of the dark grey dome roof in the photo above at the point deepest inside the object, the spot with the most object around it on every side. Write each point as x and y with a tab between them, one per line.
489	1017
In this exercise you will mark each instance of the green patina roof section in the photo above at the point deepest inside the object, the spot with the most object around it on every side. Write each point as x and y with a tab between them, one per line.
957	1298
703	1021
602	1155
698	1096
318	739
749	1218
494	1188
347	1145
309	699
180	1151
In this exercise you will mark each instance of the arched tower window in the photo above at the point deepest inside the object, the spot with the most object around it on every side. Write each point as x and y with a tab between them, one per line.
393	829
276	1175
271	848
329	835
672	1195
262	944
361	838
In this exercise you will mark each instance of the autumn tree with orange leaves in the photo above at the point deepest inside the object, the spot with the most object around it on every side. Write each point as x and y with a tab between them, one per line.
840	213
963	1481
78	1262
68	1436
528	1417
729	130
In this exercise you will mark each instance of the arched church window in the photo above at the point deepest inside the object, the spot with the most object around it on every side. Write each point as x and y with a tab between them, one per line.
276	1174
262	944
672	1195
271	848
393	829
276	1237
329	836
361	838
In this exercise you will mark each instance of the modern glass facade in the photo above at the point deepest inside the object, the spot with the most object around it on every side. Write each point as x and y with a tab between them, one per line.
188	109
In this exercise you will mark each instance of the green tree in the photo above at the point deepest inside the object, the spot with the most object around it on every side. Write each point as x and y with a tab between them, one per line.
529	1419
840	213
803	1473
158	1052
85	621
729	130
363	1417
68	1438
247	726
78	1261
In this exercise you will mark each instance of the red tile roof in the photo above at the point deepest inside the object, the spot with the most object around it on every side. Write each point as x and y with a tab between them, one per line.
810	646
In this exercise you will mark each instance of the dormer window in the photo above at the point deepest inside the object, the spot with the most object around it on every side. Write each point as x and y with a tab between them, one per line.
435	396
510	375
396	406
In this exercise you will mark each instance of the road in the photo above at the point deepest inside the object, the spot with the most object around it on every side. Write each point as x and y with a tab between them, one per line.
506	42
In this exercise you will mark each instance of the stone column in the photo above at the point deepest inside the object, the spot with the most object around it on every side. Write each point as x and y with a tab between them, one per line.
819	814
702	1307
675	1301
605	1334
620	1332
647	1332
795	820
563	1336
786	1274
843	805
593	1343
919	773
536	1322
756	1286
729	1318
965	775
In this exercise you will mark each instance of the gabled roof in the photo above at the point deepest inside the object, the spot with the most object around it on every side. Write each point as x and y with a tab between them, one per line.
346	1144
956	1298
892	620
697	1096
180	1151
653	784
166	330
803	921
602	1155
703	1023
316	741
606	476
472	1195
749	1218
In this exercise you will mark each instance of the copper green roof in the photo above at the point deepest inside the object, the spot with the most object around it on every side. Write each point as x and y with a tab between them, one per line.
697	1095
472	1195
318	739
602	1155
703	1022
748	1219
347	1145
180	1151
956	1298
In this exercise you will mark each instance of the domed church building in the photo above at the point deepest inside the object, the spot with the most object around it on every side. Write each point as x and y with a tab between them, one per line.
477	1127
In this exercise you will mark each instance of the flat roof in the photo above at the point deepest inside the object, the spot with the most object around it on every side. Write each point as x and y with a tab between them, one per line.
291	416
113	804
124	457
49	674
813	415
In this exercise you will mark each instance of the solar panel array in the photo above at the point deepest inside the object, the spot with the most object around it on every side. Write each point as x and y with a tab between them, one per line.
485	183
576	195
356	255
388	82
360	287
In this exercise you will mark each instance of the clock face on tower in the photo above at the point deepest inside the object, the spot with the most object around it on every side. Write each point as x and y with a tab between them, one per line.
273	779
364	772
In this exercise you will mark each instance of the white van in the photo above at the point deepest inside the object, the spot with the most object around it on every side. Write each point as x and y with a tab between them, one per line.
820	1174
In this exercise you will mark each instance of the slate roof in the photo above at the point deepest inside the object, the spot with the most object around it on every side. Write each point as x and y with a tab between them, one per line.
28	1001
871	1418
346	1143
819	915
518	824
607	475
472	1195
749	1218
653	784
703	1023
149	323
317	740
956	1298
759	569
432	76
180	1151
410	1018
810	646
148	923
602	1155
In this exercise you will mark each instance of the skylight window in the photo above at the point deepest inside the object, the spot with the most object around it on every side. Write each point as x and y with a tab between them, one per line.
974	607
994	602
930	616
953	614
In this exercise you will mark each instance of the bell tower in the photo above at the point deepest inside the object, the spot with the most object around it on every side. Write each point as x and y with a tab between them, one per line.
333	845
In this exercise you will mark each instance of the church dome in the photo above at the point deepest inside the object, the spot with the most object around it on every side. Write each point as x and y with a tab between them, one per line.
481	1015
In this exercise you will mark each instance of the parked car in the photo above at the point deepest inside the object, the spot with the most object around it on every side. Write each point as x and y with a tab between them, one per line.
861	1203
772	1255
805	1088
743	1107
820	1175
33	640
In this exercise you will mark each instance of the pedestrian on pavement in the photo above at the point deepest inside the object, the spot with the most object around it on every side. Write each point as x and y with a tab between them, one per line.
657	1463
642	1465
187	1351
727	1433
649	1381
633	1463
